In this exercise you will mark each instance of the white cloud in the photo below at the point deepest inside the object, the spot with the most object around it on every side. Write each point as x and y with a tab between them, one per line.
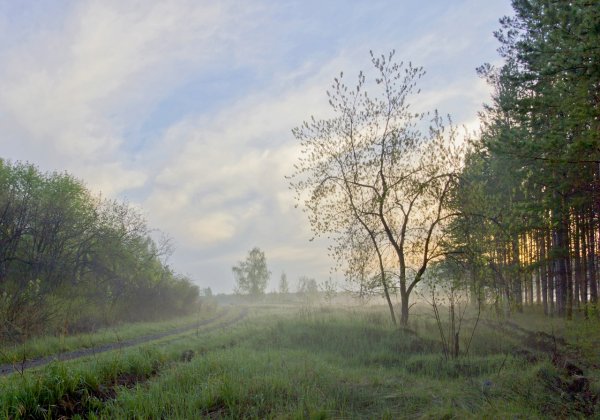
235	162
212	228
72	95
111	177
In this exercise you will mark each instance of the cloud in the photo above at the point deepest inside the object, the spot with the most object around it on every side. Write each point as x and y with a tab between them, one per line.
235	160
111	178
213	228
185	107
72	95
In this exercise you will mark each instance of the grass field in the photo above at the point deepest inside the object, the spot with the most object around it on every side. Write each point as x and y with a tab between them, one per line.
302	361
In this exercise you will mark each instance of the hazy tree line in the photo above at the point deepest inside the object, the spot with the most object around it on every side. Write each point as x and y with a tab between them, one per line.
514	218
252	278
529	194
72	261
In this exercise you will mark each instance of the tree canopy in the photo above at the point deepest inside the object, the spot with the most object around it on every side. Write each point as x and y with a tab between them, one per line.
379	175
529	192
252	275
73	261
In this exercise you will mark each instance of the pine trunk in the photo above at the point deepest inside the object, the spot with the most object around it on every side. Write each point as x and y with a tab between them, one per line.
579	272
543	271
551	276
516	275
592	280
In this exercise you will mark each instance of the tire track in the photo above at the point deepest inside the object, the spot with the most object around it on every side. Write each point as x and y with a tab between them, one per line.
21	366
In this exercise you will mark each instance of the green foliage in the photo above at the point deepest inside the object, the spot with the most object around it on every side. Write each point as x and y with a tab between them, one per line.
252	275
528	195
72	262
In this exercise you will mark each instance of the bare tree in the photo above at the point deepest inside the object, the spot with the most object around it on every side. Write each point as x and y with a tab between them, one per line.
372	165
284	288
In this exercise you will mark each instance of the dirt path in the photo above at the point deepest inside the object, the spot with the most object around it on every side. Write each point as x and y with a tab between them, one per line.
7	369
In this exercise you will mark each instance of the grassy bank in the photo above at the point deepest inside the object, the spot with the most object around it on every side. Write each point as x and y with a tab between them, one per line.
53	344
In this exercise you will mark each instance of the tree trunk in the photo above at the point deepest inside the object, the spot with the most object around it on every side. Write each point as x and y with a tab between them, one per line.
577	262
583	290
543	276
516	275
561	270
534	280
551	276
403	307
592	262
506	283
389	300
569	311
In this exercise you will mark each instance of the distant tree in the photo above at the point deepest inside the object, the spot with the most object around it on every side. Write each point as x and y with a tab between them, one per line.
208	292
330	289
307	286
252	275
283	284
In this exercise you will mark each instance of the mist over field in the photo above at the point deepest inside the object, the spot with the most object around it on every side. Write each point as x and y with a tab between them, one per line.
299	209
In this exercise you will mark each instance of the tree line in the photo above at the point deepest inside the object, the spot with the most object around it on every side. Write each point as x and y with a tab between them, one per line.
72	261
252	278
529	191
511	213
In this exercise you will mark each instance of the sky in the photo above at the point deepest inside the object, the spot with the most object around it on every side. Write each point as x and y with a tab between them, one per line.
184	108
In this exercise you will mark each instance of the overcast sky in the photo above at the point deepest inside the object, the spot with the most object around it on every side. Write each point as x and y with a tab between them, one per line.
185	107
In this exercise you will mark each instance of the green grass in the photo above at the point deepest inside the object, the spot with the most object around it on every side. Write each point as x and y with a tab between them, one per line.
302	362
48	345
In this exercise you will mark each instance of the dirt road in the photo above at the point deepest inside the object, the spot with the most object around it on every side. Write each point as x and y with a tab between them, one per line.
212	324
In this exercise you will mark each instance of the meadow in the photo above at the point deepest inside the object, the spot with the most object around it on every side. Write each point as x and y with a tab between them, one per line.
314	361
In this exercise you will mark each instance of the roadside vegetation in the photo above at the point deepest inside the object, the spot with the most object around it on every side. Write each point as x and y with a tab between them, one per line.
18	353
74	262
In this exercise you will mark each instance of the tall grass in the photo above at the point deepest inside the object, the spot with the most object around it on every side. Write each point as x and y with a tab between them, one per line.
49	345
